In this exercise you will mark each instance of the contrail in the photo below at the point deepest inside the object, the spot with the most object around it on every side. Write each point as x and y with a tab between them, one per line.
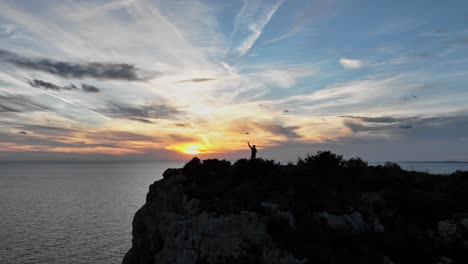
76	104
314	11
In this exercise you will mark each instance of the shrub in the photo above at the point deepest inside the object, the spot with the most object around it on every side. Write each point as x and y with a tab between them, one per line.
216	165
355	164
192	167
323	159
171	172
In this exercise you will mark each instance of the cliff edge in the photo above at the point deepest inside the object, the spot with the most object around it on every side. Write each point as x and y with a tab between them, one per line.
321	210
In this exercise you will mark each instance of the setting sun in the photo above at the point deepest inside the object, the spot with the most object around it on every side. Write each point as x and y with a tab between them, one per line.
191	149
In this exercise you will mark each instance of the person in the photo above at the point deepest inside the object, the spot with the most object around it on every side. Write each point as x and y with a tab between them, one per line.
253	149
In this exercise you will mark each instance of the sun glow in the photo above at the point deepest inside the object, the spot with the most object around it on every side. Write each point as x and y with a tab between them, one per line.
191	149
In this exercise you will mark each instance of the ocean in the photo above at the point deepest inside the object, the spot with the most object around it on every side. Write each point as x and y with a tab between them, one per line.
71	212
430	167
81	212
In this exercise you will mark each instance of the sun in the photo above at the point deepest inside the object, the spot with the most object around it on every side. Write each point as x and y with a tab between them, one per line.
191	149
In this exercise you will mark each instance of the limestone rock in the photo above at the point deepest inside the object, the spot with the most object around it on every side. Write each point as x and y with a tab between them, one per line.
352	223
170	229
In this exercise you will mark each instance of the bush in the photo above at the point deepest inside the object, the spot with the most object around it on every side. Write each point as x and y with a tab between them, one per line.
216	165
192	167
355	164
323	159
391	166
171	172
245	169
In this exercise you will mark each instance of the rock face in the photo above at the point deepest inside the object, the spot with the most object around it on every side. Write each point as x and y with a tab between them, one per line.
352	223
322	210
170	228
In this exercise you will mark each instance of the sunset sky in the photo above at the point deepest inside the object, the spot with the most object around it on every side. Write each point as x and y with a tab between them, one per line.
159	80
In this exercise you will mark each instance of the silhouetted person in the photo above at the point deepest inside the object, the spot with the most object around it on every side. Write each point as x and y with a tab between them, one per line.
253	149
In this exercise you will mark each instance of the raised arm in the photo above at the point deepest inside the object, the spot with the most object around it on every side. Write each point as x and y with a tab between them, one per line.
249	144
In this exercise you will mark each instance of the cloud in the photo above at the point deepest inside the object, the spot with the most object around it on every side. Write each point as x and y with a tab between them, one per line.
249	23
50	86
118	136
406	126
436	33
247	126
355	96
314	11
97	70
375	128
89	88
436	128
7	29
105	142
351	64
197	80
14	103
381	119
456	42
41	129
409	98
387	124
142	120
184	138
356	127
287	132
141	113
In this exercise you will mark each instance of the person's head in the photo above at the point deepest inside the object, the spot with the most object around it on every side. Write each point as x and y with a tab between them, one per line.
253	146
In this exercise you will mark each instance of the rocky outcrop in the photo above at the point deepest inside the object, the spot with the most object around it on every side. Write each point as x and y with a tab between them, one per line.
171	228
349	223
258	211
453	228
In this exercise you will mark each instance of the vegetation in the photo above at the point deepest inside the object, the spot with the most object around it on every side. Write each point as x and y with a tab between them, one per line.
409	205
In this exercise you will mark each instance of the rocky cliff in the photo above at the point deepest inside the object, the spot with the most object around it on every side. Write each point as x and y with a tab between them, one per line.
322	210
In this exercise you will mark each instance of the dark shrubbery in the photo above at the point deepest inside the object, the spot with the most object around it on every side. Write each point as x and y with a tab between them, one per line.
193	167
355	164
323	159
408	204
171	172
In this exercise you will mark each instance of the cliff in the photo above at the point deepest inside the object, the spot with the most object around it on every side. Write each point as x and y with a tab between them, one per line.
321	210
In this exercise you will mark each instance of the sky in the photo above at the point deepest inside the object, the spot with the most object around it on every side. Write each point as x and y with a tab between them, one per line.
163	80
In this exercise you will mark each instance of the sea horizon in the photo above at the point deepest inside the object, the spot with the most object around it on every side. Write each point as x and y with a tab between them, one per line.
432	167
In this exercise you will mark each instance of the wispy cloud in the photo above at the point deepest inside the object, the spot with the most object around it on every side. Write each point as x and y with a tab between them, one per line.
54	87
143	113
286	131
315	10
441	127
97	70
380	119
249	23
197	80
14	103
279	131
89	88
351	63
50	86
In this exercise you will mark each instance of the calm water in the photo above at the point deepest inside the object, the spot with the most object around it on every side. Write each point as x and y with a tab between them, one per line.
81	212
431	167
71	212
